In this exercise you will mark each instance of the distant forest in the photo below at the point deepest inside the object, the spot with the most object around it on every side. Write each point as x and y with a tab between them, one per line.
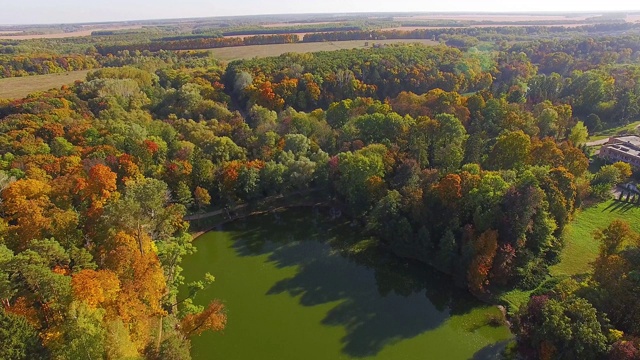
468	156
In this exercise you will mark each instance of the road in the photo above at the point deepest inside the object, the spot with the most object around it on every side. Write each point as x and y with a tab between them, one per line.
597	142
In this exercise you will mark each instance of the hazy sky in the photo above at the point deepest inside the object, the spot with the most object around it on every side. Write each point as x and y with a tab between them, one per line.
68	11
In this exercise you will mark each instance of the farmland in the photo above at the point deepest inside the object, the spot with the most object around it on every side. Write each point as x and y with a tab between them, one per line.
247	52
18	87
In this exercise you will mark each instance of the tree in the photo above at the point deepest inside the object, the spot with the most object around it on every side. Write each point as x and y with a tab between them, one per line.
449	141
510	151
593	123
212	318
19	339
608	176
557	329
83	334
95	287
573	330
579	134
25	205
355	169
202	197
485	247
624	169
183	194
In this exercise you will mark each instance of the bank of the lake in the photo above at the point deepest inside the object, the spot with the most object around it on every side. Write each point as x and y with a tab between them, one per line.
292	291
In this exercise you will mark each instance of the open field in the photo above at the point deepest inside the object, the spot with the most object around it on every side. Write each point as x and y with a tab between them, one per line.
19	87
300	35
495	17
247	52
62	35
622	130
412	28
581	249
281	24
633	18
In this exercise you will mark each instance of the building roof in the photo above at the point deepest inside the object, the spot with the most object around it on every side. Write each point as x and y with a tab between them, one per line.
630	141
623	149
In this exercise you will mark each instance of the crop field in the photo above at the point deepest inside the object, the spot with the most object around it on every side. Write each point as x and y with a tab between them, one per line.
63	35
19	87
247	52
492	17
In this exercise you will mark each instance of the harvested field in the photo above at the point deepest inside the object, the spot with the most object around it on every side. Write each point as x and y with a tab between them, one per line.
495	17
247	52
62	35
633	18
300	24
300	34
411	28
19	87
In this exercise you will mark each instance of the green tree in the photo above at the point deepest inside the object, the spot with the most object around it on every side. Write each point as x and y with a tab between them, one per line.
449	140
183	194
579	134
19	339
511	150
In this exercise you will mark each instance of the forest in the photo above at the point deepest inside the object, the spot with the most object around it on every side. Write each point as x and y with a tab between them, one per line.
468	156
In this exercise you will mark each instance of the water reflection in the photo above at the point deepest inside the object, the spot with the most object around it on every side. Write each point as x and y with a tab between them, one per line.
381	299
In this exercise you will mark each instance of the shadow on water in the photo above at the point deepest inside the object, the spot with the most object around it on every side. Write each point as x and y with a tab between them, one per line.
380	299
492	351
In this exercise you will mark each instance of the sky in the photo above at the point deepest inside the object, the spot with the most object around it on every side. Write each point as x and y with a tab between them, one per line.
73	11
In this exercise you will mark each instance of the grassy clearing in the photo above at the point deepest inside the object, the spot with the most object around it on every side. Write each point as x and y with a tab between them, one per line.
581	249
19	87
627	129
248	52
514	299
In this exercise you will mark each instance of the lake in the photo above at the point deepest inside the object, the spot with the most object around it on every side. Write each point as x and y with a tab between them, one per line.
298	285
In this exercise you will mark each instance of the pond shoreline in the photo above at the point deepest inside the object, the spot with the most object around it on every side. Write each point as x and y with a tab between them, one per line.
333	290
506	319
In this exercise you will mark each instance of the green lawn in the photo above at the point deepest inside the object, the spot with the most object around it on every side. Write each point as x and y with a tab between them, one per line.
514	299
248	52
19	87
581	249
615	131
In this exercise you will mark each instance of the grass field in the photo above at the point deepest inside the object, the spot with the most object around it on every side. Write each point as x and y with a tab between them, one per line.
581	249
615	131
248	52
19	87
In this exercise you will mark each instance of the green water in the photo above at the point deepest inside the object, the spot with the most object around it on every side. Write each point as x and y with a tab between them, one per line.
292	293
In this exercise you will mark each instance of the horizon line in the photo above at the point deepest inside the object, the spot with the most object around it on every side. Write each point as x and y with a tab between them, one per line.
626	12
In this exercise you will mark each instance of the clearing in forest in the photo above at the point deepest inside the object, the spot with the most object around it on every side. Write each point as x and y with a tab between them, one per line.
248	52
19	87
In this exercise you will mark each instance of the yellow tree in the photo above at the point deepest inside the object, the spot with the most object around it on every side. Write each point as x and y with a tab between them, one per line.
26	206
95	287
142	282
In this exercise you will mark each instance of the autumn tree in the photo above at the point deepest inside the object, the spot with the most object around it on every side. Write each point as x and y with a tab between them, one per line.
213	318
485	247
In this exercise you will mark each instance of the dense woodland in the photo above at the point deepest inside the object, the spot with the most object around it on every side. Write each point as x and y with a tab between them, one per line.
466	158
